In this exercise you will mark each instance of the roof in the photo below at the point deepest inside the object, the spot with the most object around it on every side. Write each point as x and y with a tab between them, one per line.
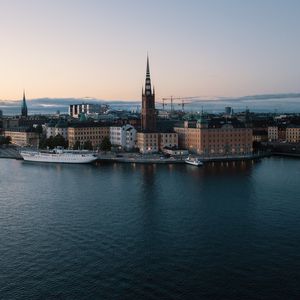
216	123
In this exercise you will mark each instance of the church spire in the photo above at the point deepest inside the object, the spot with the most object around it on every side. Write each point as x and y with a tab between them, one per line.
148	79
148	104
148	69
24	111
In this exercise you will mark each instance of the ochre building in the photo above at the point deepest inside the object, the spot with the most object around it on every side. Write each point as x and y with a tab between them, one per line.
22	137
215	138
84	132
293	134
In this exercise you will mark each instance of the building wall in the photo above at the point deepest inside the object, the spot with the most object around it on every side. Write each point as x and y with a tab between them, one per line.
148	142
218	142
10	123
272	133
293	134
22	138
168	140
87	108
124	136
83	134
54	131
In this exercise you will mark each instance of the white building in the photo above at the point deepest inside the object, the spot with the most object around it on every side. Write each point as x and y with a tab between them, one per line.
53	129
86	108
124	137
272	133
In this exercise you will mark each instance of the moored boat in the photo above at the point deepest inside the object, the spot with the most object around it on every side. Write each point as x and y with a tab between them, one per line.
193	161
59	155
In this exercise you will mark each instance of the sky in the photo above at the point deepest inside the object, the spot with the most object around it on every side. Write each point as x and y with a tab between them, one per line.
98	48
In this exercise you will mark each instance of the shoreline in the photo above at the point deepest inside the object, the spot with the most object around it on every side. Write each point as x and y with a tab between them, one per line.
12	153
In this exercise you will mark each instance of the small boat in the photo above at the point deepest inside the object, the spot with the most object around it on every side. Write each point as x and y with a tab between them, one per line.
59	155
193	161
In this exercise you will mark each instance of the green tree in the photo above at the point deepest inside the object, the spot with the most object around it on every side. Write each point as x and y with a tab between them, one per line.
59	140
88	145
7	140
76	145
50	142
38	129
105	144
43	142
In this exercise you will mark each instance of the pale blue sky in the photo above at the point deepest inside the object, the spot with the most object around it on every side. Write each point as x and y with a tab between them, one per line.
78	48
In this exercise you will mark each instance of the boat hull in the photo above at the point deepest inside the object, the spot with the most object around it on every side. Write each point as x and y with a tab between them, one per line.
58	158
194	163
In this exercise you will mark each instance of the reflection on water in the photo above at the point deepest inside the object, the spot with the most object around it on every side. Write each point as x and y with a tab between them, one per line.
134	231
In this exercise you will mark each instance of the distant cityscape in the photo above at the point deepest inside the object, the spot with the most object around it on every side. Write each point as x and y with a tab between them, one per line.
171	130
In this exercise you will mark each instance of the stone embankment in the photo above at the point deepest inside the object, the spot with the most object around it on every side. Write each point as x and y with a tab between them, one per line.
12	152
160	159
9	152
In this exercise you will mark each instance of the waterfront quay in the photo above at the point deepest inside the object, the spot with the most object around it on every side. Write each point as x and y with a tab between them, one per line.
160	159
110	157
9	152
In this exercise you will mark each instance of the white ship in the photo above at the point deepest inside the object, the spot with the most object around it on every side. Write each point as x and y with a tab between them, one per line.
193	161
59	155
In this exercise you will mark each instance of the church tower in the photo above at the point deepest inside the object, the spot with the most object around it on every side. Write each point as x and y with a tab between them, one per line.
148	104
24	112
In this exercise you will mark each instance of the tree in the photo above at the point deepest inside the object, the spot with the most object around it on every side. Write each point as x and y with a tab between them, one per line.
105	144
7	140
53	142
38	129
43	142
88	145
76	145
50	142
59	140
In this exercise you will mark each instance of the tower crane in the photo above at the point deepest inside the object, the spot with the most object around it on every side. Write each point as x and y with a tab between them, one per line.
171	99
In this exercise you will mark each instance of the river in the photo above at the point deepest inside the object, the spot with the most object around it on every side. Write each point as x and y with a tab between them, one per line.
129	231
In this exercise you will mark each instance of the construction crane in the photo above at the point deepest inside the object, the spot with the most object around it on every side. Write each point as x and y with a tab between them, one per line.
171	99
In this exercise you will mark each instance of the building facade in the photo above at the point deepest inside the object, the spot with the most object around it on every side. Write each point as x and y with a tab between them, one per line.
87	132
53	129
123	136
75	110
168	140
293	134
276	133
148	142
219	138
22	137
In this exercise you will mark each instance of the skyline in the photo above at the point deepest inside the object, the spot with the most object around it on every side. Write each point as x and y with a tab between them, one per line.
96	49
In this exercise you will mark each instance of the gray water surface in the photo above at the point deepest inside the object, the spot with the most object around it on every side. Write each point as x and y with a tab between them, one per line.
122	231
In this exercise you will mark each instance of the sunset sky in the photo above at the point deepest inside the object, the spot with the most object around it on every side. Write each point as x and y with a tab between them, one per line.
95	48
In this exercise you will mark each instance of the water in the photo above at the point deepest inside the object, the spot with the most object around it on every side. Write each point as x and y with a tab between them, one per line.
121	231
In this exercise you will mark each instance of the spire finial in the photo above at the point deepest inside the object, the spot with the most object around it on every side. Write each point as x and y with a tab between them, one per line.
148	69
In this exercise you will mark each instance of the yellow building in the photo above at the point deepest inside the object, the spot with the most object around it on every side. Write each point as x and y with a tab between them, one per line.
168	140
85	132
293	134
147	142
22	137
276	133
215	138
